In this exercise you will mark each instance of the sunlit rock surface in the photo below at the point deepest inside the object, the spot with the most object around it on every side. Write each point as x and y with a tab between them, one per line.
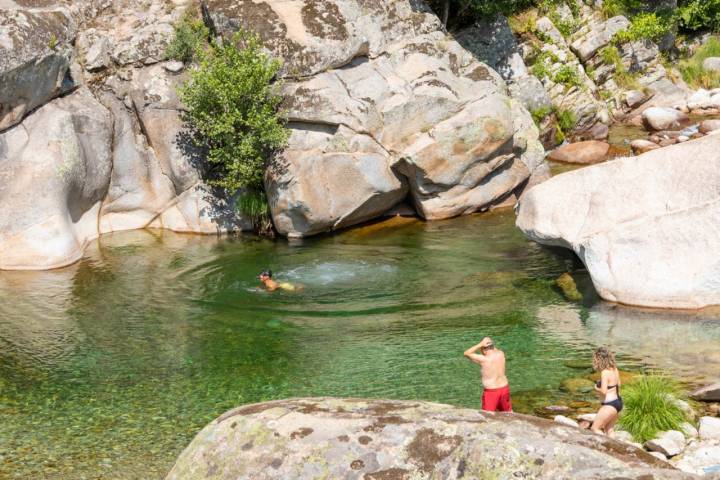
645	227
384	439
383	104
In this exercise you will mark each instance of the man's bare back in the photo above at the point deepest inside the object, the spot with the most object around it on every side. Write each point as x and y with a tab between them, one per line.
496	395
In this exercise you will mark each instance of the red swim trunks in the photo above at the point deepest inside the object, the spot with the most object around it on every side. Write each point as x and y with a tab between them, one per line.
497	399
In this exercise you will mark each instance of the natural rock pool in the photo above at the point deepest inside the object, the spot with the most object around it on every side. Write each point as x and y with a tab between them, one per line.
108	368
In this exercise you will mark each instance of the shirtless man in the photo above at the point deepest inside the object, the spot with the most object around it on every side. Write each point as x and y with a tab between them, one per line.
271	285
496	389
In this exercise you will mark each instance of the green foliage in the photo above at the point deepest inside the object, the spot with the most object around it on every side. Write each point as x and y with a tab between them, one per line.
568	75
610	55
692	69
566	120
645	26
540	114
191	35
612	8
650	408
53	42
232	107
541	63
524	22
696	15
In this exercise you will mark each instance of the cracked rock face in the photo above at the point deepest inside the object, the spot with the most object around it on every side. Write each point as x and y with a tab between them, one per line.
645	227
382	104
35	58
110	156
402	440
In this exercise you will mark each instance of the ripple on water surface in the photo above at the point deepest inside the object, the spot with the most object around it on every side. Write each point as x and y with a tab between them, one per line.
109	367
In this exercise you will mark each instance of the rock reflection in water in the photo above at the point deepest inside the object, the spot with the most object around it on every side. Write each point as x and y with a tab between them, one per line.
686	344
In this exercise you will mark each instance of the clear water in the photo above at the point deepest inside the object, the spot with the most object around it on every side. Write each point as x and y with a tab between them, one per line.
108	368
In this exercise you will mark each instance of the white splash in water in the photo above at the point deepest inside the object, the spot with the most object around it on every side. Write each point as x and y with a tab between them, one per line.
327	273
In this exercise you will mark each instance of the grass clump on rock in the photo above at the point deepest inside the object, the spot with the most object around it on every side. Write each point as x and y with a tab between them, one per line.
651	407
233	109
191	35
692	69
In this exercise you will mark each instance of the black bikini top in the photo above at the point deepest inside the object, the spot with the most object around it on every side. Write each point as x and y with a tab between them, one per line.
599	382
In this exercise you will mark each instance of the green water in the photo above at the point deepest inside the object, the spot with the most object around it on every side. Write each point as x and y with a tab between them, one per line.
109	367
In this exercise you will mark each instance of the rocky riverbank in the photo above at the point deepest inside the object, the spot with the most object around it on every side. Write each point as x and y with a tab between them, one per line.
388	439
384	107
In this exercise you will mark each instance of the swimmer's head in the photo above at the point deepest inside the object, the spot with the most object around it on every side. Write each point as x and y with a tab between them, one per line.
265	275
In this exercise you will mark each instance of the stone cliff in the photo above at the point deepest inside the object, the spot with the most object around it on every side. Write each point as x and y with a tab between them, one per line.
384	108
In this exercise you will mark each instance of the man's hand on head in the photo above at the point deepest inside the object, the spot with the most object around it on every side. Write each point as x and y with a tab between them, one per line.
485	342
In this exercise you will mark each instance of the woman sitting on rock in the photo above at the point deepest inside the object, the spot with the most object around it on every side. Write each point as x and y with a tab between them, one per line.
608	387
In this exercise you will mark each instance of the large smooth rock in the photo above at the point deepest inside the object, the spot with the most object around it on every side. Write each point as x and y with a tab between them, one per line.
156	179
709	428
643	226
35	58
381	439
699	99
668	443
700	459
711	64
709	393
588	152
492	42
56	169
383	105
598	37
707	126
661	118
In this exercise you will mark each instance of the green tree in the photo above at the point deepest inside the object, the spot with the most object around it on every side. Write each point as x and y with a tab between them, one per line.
233	108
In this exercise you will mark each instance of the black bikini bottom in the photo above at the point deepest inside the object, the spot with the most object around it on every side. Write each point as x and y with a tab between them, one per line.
617	404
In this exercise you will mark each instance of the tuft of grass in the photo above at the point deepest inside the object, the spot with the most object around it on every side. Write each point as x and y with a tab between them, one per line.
540	114
568	76
610	55
613	8
566	120
53	42
651	407
692	69
191	34
524	22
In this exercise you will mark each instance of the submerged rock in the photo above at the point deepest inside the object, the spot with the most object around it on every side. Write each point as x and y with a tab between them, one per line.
643	226
577	385
383	439
569	288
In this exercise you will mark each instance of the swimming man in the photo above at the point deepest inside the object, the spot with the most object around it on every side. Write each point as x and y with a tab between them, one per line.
271	285
496	389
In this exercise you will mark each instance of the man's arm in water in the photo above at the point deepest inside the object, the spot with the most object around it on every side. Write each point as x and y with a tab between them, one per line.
474	357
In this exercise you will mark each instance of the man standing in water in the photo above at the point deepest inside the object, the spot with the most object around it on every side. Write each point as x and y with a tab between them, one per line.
496	389
271	285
